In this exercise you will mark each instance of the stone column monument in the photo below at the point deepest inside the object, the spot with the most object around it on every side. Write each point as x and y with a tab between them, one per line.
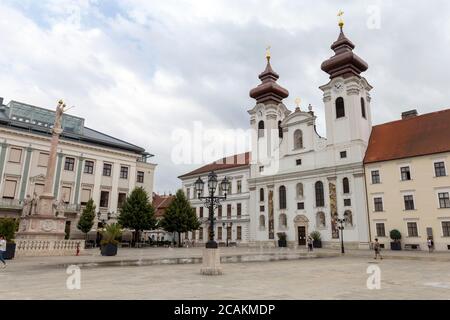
41	222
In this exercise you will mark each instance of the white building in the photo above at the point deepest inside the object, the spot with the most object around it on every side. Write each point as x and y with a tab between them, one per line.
233	216
90	164
298	181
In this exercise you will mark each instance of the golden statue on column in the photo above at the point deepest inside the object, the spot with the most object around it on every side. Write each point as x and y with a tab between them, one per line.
43	223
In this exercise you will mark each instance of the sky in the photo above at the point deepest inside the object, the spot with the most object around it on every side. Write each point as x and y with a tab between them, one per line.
143	70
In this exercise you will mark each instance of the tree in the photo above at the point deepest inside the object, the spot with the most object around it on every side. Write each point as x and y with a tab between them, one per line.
180	216
87	217
137	213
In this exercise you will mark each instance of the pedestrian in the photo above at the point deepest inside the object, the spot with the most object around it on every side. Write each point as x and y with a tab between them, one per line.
2	250
376	248
430	245
310	244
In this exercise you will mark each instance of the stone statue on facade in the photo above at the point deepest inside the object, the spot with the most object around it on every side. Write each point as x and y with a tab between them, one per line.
26	206
33	203
60	207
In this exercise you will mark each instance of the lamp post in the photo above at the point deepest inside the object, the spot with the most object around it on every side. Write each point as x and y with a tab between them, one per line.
211	256
211	201
227	225
341	228
103	221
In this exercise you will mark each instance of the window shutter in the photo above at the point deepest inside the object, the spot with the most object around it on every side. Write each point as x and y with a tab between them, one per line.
9	190
15	155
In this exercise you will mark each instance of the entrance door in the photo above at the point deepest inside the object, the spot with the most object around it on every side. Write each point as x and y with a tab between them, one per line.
302	236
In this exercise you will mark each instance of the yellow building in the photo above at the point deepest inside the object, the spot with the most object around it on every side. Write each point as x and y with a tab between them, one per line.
407	168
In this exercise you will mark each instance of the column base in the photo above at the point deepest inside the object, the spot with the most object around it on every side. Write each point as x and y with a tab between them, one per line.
211	262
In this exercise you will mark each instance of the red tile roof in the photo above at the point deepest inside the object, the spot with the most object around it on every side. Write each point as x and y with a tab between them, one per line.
235	161
415	136
161	203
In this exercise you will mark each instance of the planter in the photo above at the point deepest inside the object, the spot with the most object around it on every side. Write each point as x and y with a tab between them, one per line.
109	250
282	243
396	246
317	243
10	251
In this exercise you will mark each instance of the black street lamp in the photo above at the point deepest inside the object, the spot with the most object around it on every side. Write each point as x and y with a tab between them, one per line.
103	221
227	225
341	227
211	202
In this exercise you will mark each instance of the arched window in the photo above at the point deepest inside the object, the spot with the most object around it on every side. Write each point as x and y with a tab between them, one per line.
260	129
262	221
320	219
261	194
320	197
340	109
282	220
345	185
299	190
282	195
348	217
363	108
298	139
280	130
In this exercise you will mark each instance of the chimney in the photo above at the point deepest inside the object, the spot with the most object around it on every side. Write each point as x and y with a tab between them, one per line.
409	114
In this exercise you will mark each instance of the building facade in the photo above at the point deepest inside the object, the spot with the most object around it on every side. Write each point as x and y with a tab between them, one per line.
232	216
407	176
298	181
90	164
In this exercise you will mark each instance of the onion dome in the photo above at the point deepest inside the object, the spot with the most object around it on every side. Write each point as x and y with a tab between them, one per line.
269	91
344	63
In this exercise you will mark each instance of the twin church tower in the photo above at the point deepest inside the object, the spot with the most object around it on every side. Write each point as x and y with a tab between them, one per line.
300	182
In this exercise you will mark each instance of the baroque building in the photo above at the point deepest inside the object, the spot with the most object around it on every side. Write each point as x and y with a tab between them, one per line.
297	181
90	164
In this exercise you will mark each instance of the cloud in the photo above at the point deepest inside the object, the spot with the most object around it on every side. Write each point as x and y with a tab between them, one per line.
139	70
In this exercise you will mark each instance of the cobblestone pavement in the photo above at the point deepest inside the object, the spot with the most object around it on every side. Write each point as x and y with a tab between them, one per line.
325	278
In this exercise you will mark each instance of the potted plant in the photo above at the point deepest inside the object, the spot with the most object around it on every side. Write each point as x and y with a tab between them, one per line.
317	239
282	239
396	236
8	228
109	240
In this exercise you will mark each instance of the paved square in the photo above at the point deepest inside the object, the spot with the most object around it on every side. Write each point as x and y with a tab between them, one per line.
321	278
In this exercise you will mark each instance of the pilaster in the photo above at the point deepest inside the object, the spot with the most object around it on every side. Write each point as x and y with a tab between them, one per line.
26	170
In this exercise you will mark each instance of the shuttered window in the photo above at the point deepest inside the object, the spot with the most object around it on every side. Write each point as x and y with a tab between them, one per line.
65	194
9	190
38	189
43	159
15	155
85	196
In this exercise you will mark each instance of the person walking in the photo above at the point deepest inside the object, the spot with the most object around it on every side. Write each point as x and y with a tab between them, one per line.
376	248
430	245
2	249
310	244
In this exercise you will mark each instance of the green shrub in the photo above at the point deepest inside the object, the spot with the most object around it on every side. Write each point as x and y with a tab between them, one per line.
8	228
395	235
316	235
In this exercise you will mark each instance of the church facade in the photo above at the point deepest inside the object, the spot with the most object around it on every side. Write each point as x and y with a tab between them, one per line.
299	182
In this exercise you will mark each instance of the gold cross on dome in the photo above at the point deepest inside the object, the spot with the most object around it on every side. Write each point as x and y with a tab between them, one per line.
341	20
268	52
297	102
